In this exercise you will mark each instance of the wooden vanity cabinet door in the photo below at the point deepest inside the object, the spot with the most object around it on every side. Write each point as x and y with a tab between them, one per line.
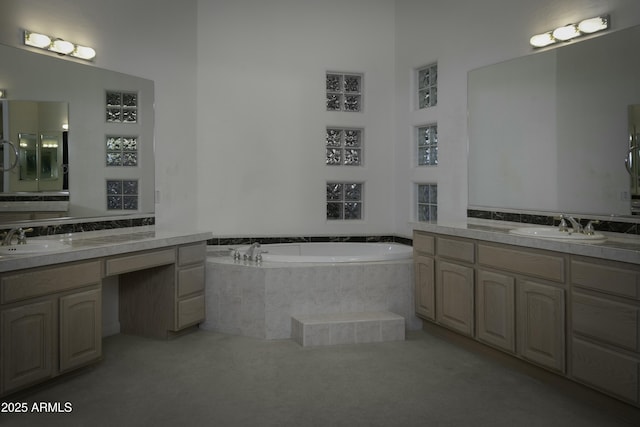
80	328
27	344
495	309
455	296
425	287
541	324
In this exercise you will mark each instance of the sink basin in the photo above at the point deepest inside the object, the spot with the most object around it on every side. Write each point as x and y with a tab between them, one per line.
555	233
33	247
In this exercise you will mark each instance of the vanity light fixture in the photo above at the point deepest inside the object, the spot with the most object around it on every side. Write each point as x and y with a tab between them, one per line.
571	31
3	93
58	46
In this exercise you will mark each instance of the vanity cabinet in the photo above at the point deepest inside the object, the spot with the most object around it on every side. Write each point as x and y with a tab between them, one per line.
51	322
161	291
605	326
454	296
444	283
541	324
509	297
51	316
573	315
495	309
190	285
425	276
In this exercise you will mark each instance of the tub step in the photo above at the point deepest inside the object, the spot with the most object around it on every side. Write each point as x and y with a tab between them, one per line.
346	328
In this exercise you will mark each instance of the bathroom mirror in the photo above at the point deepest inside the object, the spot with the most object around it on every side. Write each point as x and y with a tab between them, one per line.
101	158
39	133
549	132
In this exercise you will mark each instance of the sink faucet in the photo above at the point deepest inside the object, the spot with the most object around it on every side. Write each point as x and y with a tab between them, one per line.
21	236
252	249
577	227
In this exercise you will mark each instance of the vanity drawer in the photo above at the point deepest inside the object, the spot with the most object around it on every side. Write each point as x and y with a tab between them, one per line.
190	280
140	261
613	278
49	280
607	321
462	250
531	263
605	369
192	254
190	311
424	243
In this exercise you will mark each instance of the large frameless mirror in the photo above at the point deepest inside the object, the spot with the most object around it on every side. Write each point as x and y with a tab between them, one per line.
72	135
549	131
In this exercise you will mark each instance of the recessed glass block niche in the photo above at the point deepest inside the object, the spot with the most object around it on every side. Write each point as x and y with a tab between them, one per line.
122	151
344	200
427	86
427	202
122	107
344	92
427	145
122	194
344	147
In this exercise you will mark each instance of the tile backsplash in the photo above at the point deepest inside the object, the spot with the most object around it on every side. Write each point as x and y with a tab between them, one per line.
551	220
235	241
79	226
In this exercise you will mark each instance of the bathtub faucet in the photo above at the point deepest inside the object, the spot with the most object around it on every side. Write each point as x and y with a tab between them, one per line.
253	251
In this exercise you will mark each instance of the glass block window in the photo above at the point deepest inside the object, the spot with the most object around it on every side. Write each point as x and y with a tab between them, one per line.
427	86
344	200
122	151
344	92
427	145
122	194
344	147
427	202
122	107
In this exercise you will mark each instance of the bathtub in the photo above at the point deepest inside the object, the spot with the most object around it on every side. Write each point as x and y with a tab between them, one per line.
333	252
258	299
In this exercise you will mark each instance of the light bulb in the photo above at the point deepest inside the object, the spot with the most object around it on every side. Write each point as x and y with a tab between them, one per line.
62	46
566	33
593	24
84	52
36	39
542	40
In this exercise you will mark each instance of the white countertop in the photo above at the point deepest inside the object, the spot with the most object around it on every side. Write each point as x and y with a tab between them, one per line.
617	246
103	243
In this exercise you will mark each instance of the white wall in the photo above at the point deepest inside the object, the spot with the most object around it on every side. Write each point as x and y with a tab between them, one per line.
262	116
462	35
239	91
154	39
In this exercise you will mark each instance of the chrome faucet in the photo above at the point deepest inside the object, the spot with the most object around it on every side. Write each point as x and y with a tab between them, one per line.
589	229
575	224
254	250
21	236
563	224
577	227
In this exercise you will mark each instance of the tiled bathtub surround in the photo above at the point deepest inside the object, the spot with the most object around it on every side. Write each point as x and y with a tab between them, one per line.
347	328
603	225
258	301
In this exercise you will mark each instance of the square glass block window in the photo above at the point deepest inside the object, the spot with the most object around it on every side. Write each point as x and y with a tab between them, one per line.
344	200
344	92
427	202
122	194
427	145
427	84
344	147
122	151
122	107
